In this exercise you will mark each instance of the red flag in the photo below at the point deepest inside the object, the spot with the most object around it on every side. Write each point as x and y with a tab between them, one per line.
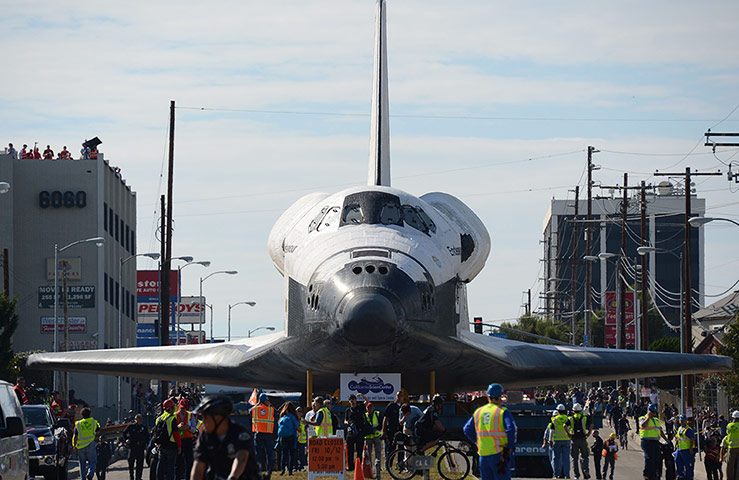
253	400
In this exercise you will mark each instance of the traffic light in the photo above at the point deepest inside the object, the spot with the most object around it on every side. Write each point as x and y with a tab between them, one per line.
478	324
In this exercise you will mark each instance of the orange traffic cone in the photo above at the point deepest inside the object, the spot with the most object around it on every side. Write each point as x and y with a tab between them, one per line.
358	474
366	465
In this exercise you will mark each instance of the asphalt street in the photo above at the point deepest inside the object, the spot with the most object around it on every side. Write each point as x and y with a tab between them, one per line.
628	467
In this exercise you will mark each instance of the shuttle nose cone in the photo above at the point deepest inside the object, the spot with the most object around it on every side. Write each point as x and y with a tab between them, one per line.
369	319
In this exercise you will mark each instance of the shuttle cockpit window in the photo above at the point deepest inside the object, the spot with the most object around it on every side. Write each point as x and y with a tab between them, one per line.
391	214
352	214
330	219
418	219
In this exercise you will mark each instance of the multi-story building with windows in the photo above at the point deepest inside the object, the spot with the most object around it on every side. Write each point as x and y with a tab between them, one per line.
60	202
563	294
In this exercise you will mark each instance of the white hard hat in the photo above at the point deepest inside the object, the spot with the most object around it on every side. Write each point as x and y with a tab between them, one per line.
735	414
561	408
577	407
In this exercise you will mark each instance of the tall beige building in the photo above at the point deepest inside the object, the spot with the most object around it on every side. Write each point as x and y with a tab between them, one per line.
59	202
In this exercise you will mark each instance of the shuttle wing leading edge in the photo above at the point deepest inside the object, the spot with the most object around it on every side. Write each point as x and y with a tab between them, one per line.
461	363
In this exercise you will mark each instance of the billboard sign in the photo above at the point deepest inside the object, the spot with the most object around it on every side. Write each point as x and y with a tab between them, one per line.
611	327
74	324
78	296
377	387
188	310
147	285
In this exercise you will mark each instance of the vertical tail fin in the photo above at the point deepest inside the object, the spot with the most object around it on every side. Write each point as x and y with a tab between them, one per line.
379	161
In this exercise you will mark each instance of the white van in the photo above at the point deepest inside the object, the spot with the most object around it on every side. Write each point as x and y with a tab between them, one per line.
13	439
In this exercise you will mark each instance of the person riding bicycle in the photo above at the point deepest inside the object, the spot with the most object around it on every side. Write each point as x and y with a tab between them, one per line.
429	428
225	449
493	429
622	430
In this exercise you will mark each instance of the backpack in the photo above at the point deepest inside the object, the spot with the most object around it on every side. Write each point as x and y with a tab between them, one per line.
426	422
161	433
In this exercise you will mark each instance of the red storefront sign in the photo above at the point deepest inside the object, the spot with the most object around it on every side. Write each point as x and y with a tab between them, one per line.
612	319
147	284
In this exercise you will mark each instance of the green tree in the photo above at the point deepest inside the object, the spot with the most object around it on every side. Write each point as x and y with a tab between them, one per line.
8	324
730	348
666	344
536	325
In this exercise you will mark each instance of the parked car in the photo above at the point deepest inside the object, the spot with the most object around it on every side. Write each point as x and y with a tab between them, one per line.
48	442
13	440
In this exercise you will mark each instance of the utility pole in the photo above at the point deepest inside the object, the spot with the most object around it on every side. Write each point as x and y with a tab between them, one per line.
575	254
588	250
622	260
687	284
528	303
643	325
644	334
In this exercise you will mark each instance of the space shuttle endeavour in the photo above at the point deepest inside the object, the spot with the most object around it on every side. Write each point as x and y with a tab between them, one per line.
375	281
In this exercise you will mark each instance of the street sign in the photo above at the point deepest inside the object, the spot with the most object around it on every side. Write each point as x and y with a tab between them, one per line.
325	457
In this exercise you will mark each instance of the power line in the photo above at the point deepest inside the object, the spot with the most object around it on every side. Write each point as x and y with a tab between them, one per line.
450	117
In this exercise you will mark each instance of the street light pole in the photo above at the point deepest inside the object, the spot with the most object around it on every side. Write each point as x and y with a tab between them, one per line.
248	335
202	279
153	256
683	295
99	241
204	263
251	304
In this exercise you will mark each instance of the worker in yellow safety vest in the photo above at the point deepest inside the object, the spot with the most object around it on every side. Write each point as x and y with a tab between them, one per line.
684	460
321	419
187	426
263	426
650	431
493	429
730	447
302	440
373	440
559	426
83	441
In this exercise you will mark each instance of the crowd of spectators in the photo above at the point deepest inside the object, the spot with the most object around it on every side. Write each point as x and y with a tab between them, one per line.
86	153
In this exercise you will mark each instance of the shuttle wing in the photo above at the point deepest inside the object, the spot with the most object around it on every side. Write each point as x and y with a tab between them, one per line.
519	364
251	361
462	363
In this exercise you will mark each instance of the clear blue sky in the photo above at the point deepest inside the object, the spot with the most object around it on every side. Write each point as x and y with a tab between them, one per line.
484	97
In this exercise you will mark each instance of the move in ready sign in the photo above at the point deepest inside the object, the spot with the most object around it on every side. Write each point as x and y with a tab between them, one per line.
78	296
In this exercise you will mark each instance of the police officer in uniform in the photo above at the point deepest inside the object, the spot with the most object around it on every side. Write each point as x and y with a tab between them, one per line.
225	449
493	428
137	437
581	430
263	427
650	430
684	460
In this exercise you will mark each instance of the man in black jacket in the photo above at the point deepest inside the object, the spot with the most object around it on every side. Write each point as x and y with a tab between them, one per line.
391	424
355	422
136	436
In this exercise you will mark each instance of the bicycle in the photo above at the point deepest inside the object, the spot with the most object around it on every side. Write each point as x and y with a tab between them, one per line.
452	463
